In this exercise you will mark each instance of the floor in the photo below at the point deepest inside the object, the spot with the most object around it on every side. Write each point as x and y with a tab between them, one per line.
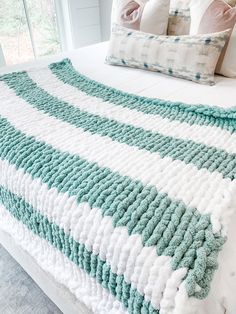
18	292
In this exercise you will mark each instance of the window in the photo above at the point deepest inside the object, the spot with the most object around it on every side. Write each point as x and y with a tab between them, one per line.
28	29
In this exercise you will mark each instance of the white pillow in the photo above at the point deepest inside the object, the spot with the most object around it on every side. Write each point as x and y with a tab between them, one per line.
209	16
150	16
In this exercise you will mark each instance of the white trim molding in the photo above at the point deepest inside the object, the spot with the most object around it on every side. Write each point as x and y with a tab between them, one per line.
2	58
64	24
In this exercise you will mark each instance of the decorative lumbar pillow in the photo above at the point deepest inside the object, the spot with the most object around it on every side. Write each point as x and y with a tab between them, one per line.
213	16
149	16
179	18
190	57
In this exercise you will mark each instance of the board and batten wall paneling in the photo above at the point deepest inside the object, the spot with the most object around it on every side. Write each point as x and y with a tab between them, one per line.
85	22
105	13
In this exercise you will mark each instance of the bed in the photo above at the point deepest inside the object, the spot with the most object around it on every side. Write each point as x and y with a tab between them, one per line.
54	273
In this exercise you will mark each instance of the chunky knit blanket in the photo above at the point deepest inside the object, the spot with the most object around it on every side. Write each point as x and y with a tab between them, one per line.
123	199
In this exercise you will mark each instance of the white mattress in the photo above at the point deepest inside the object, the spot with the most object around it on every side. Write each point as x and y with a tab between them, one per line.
90	61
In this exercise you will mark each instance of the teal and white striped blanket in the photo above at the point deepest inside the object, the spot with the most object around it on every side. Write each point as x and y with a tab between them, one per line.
122	198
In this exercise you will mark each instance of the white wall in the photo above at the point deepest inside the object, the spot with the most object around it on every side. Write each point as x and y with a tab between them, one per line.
105	14
83	22
78	22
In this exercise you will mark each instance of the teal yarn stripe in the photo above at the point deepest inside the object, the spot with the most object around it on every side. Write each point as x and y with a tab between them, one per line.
140	208
76	252
188	151
192	114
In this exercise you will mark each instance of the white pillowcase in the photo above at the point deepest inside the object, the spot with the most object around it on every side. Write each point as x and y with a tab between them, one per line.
209	16
150	16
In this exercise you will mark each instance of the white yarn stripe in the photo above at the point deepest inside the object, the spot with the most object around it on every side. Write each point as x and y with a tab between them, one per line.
174	177
184	304
85	288
141	266
208	135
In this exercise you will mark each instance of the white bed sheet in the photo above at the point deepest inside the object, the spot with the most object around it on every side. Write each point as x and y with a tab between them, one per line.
90	61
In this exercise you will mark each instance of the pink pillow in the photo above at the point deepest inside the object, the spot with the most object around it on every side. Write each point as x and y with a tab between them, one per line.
150	16
130	15
209	16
